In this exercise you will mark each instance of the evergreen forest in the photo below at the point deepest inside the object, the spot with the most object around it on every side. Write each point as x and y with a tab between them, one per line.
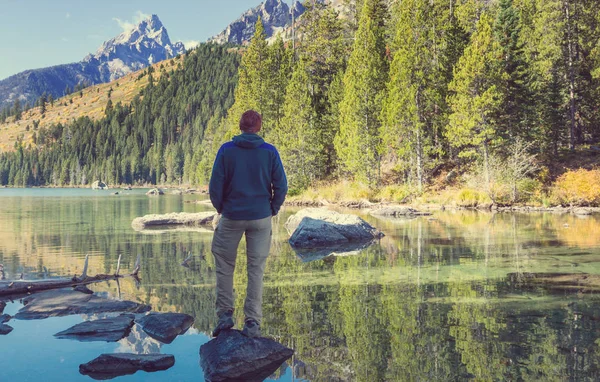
383	93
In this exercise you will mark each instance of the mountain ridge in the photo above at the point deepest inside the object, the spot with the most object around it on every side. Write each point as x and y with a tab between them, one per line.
147	43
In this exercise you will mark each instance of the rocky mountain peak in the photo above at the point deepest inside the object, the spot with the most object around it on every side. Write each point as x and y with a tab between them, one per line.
275	14
148	42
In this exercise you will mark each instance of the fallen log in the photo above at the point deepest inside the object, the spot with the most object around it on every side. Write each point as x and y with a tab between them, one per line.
26	287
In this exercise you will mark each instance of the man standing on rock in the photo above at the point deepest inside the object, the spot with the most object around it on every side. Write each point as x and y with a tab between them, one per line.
247	187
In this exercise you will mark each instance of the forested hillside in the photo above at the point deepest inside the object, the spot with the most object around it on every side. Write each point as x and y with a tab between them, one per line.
154	139
391	93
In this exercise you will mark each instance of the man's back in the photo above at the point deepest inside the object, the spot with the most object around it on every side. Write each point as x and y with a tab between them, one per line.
248	180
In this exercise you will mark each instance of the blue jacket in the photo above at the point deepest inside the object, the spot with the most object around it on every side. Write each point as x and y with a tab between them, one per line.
248	181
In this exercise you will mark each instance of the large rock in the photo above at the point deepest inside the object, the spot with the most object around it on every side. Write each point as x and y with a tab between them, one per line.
165	326
98	185
174	219
109	329
5	329
398	211
109	366
64	302
155	192
233	357
319	228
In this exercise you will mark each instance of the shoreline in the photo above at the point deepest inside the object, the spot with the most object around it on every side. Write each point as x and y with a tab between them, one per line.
367	205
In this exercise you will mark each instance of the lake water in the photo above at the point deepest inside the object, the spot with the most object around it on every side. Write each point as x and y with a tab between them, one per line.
434	300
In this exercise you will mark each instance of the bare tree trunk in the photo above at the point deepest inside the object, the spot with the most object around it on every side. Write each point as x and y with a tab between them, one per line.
419	145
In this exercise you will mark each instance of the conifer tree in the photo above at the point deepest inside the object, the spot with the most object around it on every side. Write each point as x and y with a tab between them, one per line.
357	141
515	111
299	144
415	104
475	97
252	88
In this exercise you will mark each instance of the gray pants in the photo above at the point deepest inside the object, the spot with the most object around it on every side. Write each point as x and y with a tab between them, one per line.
224	247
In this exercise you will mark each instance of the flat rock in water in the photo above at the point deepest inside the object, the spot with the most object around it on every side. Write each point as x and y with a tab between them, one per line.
64	302
174	219
321	228
165	326
109	366
5	329
234	357
155	192
398	212
109	329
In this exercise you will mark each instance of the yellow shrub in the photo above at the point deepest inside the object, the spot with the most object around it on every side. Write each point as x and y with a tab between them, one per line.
580	187
470	198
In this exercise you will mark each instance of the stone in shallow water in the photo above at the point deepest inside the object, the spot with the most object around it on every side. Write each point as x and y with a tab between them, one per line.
165	326
64	302
233	357
109	366
5	329
321	228
109	329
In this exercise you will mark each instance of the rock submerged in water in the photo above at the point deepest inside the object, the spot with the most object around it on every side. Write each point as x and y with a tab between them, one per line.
155	192
109	329
64	302
165	327
234	357
321	230
5	329
174	219
109	366
398	212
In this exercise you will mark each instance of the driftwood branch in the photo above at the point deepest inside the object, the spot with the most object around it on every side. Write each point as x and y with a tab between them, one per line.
24	287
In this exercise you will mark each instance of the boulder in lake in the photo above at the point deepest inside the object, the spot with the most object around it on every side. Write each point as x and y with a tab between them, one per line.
64	302
155	192
5	329
99	185
234	357
109	366
322	228
174	219
398	211
165	327
109	329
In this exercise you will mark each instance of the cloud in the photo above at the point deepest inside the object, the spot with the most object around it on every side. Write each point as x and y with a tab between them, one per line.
127	25
190	44
68	15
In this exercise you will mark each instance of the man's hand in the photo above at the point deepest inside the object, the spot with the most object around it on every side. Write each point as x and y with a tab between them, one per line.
216	220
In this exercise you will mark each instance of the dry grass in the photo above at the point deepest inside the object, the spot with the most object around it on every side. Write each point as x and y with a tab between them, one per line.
92	104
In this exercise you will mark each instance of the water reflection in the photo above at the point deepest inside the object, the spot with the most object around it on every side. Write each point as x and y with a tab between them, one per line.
431	300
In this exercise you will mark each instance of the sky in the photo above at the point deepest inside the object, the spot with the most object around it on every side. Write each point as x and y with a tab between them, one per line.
41	33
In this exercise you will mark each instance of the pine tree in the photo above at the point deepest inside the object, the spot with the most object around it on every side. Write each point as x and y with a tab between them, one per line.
475	99
514	115
252	88
414	109
323	51
17	109
364	89
299	144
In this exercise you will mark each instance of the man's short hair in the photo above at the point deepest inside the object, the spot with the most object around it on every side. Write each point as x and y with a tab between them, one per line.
251	122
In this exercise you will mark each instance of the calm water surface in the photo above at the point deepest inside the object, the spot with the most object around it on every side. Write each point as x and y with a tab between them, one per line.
435	300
